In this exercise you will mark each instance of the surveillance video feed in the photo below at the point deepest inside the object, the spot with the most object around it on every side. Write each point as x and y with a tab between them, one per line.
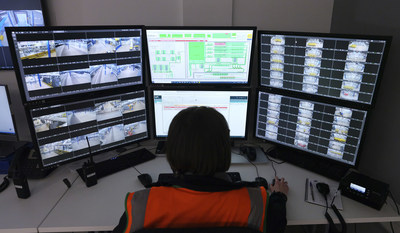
81	115
126	71
17	14
61	130
322	129
71	47
103	73
102	45
75	77
80	142
85	60
43	81
127	44
335	67
108	110
36	49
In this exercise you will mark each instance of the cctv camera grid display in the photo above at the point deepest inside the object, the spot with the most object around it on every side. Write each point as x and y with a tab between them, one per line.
322	129
21	13
56	63
61	130
334	67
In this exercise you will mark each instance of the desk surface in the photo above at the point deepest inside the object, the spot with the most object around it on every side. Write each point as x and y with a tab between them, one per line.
98	208
24	215
54	208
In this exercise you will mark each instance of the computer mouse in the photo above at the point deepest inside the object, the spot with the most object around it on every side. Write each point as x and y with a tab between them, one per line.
146	180
323	188
273	181
261	181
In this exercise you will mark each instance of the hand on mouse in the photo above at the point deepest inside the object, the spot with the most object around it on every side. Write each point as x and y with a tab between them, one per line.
280	186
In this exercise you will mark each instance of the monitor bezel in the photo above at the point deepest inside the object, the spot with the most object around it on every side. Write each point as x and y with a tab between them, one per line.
309	154
45	22
353	104
76	99
82	94
252	54
5	136
248	90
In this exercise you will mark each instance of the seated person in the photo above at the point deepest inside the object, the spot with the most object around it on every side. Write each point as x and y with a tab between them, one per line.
202	194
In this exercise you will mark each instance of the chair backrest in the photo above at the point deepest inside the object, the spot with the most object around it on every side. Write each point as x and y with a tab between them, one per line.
200	230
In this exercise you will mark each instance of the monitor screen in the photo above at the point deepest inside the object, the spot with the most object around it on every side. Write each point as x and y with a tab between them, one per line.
335	66
60	61
325	130
232	105
60	130
194	55
7	129
17	13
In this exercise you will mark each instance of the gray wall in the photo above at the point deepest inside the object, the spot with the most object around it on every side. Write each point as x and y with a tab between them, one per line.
380	157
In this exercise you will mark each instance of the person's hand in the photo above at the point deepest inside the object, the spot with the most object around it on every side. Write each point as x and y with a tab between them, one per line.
280	186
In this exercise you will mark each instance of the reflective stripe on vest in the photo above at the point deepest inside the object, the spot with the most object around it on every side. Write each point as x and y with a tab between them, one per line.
169	207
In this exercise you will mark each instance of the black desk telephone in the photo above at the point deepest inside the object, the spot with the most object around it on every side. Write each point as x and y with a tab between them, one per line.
364	189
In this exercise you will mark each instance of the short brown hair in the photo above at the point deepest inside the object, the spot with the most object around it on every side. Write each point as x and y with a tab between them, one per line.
198	142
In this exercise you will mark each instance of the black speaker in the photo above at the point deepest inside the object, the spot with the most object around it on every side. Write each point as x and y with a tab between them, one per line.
22	187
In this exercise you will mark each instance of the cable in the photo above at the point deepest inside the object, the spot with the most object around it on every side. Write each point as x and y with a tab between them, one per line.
269	158
391	226
395	203
355	227
254	166
5	184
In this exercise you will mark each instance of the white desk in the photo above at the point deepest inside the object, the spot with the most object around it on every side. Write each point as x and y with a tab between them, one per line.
98	208
25	215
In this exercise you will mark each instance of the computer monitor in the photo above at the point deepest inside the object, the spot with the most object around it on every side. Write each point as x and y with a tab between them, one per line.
17	13
310	127
7	128
232	104
343	67
200	55
60	130
56	62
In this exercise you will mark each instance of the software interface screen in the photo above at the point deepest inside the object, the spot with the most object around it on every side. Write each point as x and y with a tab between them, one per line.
199	56
64	62
6	122
21	13
231	104
334	67
323	129
61	130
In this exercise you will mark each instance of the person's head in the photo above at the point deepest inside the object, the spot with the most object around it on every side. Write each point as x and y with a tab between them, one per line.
198	142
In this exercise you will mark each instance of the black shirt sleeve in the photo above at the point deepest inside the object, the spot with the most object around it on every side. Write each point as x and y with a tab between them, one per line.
121	225
276	213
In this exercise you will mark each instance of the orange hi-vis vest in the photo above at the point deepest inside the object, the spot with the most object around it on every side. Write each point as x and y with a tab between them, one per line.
172	207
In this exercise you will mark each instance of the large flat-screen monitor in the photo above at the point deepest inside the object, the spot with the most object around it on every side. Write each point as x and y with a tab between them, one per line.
343	67
7	128
200	55
54	62
17	13
60	130
319	129
232	104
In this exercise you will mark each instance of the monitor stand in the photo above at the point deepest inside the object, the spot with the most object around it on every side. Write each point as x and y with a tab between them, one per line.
8	148
322	166
160	147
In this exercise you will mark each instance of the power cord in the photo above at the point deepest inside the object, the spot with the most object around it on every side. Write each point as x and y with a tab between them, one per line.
266	153
5	184
397	207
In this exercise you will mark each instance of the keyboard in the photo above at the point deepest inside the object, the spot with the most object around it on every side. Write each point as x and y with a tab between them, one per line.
165	177
116	164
